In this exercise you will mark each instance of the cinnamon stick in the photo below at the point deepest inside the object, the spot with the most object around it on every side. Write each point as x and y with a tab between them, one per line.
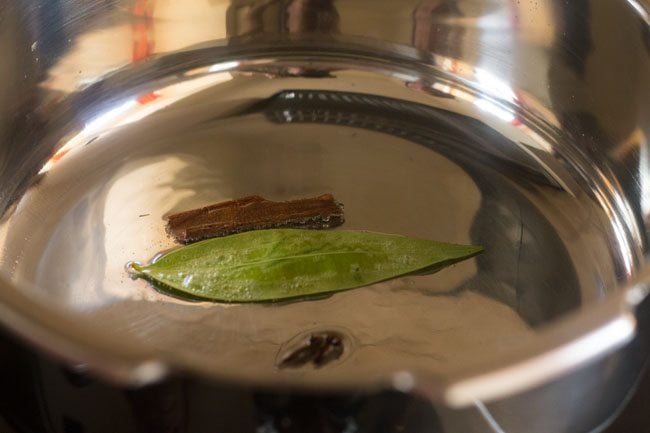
254	213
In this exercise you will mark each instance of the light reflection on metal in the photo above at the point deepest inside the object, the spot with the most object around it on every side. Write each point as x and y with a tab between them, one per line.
488	417
494	86
90	130
640	9
493	109
133	110
542	368
224	66
621	219
536	141
644	179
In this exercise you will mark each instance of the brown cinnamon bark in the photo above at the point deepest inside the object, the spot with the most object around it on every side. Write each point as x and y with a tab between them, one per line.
254	213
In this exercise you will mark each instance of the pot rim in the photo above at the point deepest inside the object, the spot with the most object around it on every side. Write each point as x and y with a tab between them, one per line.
558	348
554	350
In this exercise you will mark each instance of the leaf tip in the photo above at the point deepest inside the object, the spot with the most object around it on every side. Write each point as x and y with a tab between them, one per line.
477	249
465	251
472	251
134	269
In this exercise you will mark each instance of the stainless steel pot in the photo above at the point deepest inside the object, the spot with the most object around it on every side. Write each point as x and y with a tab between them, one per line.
522	126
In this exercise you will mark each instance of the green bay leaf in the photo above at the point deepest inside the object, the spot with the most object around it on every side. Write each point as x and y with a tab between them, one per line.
277	264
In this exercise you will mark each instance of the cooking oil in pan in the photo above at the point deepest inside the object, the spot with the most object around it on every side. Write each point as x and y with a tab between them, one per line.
409	151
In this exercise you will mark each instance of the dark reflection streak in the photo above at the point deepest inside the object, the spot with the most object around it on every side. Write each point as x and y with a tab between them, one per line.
432	30
264	17
573	40
246	19
310	16
370	112
254	21
433	33
519	246
645	32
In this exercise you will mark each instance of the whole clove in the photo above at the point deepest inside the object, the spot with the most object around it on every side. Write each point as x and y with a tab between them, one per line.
319	349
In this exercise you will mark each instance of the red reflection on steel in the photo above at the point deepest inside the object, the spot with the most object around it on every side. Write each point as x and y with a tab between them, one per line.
142	28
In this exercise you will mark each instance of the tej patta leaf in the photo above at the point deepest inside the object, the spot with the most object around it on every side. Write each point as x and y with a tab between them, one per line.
276	264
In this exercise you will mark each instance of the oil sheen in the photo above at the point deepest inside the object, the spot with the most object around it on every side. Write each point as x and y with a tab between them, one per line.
407	151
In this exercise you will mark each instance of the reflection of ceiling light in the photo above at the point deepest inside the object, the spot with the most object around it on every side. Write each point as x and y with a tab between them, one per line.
454	91
494	86
447	64
640	9
644	180
132	111
621	217
444	88
225	66
407	78
107	117
495	110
